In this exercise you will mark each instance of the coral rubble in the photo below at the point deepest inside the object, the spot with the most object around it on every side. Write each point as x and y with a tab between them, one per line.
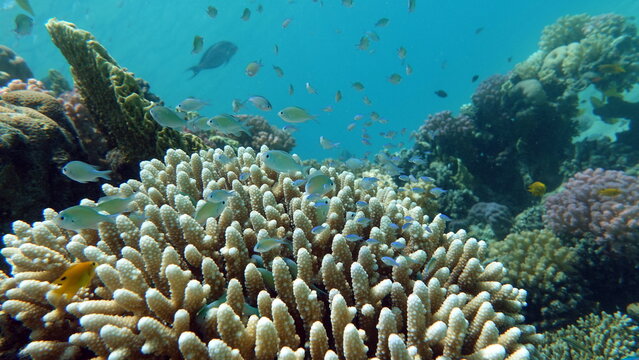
326	296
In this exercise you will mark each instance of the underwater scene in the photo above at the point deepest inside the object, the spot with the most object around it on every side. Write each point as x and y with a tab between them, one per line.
319	179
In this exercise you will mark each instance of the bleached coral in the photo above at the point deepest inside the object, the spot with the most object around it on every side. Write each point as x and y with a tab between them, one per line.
324	297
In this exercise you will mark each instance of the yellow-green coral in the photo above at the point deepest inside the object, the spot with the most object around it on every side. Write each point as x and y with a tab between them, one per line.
537	261
593	337
114	99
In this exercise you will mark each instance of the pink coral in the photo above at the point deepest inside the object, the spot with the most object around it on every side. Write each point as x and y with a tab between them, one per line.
582	208
31	84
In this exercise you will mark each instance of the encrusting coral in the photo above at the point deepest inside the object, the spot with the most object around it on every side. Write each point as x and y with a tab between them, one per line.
331	294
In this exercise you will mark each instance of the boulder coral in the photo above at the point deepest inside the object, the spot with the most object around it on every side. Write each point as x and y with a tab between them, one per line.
12	66
327	296
600	203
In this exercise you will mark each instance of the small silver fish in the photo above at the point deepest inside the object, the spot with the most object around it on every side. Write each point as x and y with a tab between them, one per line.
318	184
260	102
82	172
237	105
246	14
191	104
310	89
227	124
294	114
220	195
81	217
327	144
115	204
278	71
208	210
167	117
267	244
281	161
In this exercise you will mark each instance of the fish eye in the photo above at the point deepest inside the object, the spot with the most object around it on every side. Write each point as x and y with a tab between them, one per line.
63	278
267	156
62	217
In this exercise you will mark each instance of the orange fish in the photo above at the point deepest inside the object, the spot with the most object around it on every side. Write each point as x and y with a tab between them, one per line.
77	276
537	188
611	68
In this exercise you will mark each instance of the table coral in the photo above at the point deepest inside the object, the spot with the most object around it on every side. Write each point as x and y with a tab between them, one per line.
116	102
597	336
583	208
324	297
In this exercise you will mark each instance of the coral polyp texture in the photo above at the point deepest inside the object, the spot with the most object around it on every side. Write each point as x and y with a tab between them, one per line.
174	288
599	203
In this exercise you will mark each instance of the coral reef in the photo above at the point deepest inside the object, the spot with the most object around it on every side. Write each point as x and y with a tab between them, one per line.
447	132
490	219
33	149
115	101
12	66
584	208
537	261
529	219
326	296
594	337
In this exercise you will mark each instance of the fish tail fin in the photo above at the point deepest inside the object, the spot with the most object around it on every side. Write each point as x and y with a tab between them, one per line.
195	69
106	174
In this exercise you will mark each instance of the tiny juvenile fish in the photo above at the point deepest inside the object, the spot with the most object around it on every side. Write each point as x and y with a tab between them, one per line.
310	89
191	104
115	204
24	25
198	43
286	22
220	195
398	245
253	68
81	217
289	128
267	244
260	102
294	114
281	161
361	204
347	3
411	5
237	105
382	22
373	241
227	124
209	210
409	70
351	126
167	117
338	96
364	43
401	52
358	86
328	144
318	229
395	78
441	93
354	164
474	78
291	90
82	172
437	191
198	124
367	183
390	261
278	71
246	14
211	11
318	184
77	276
367	101
353	237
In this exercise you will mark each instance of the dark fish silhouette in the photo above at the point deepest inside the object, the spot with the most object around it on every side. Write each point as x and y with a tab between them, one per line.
215	56
441	93
475	77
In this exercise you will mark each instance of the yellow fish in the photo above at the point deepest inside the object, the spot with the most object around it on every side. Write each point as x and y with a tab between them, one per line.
611	68
537	188
609	192
77	276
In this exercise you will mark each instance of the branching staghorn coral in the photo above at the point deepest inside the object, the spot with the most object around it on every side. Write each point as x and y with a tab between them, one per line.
595	337
324	297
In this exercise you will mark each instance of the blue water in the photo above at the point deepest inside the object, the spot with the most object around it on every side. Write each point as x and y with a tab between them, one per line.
153	39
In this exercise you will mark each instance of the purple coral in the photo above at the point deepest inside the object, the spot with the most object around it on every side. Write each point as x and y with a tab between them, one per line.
444	127
488	95
583	207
